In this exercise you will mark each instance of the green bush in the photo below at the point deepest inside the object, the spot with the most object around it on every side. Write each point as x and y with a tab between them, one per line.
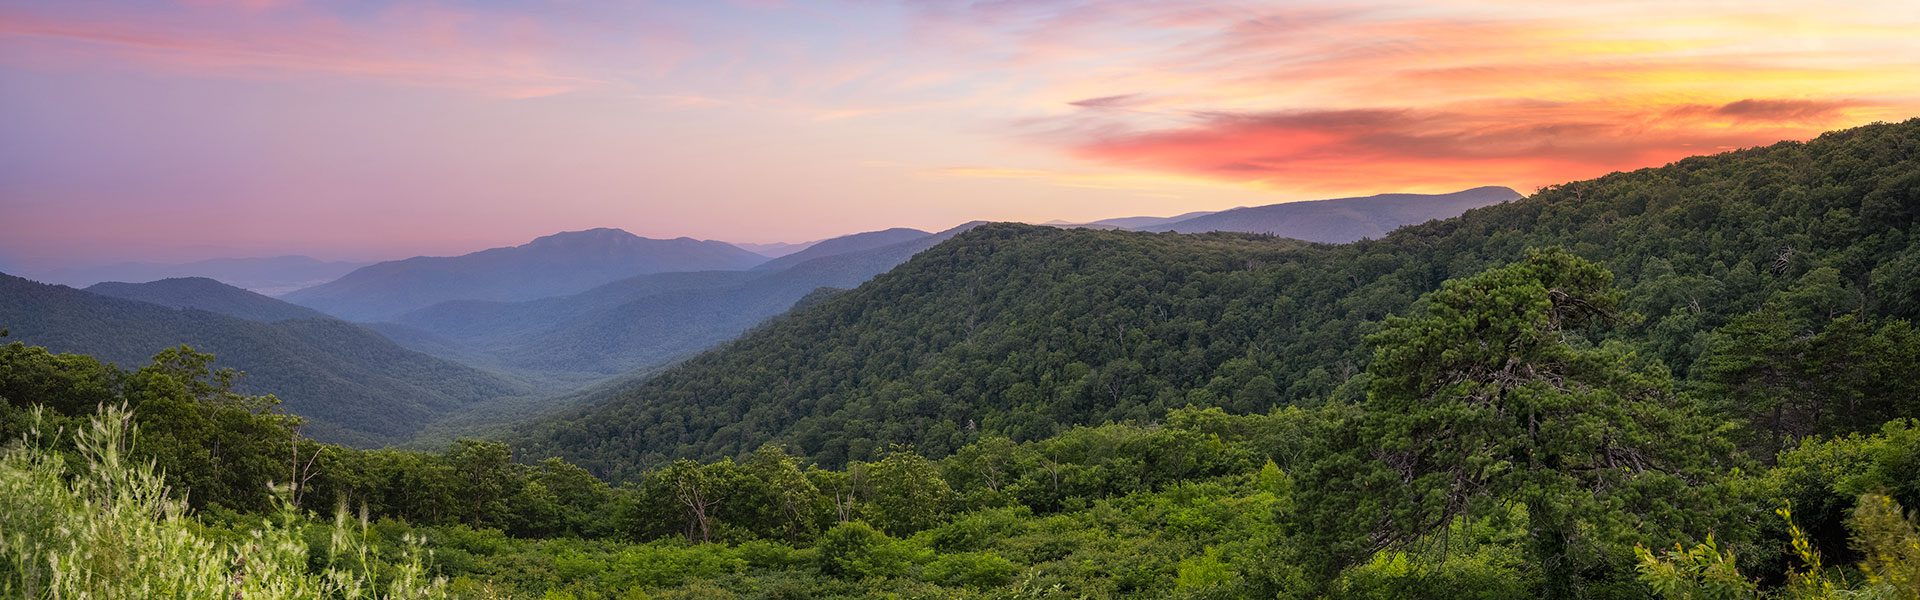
856	550
971	569
1480	576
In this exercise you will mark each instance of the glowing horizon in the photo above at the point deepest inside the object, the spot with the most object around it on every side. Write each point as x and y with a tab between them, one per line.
362	130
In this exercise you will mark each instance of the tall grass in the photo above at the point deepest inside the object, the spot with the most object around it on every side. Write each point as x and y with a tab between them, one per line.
95	525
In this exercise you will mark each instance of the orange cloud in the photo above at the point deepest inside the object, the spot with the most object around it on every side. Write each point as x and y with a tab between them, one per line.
1425	149
1791	111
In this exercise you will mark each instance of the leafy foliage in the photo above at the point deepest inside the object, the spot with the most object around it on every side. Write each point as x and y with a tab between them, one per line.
105	527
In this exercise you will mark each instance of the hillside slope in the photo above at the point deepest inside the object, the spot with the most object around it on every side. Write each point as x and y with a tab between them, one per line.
1024	330
208	295
554	265
1341	220
353	385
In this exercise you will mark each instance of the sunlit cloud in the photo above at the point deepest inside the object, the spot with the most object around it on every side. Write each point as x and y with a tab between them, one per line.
767	119
1446	148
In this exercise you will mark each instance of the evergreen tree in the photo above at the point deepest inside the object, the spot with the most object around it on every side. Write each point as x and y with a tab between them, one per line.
1488	398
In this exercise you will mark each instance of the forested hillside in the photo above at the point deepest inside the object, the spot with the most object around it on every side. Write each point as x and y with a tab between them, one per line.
1727	262
1498	453
353	385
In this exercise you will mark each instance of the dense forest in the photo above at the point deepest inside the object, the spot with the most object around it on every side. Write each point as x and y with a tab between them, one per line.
1685	382
1731	264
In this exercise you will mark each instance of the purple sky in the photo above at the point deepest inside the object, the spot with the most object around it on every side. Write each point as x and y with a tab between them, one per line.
172	131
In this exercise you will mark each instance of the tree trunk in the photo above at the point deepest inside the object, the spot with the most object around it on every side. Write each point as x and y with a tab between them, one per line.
1551	541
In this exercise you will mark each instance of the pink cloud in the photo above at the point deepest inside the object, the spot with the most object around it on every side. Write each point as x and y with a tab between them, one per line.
1355	149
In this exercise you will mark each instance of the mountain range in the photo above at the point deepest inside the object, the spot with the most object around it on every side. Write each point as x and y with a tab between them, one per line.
1024	331
647	320
352	385
1341	220
554	265
1334	221
554	314
774	249
270	276
206	294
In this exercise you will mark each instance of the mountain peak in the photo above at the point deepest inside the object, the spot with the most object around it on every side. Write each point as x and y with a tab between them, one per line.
584	236
560	264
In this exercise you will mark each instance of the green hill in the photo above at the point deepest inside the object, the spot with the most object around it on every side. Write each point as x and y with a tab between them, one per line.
352	385
1027	330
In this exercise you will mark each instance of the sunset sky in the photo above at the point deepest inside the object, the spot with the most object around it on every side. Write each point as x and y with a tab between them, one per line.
359	129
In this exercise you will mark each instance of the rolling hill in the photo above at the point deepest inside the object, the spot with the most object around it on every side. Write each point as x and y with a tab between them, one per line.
208	295
1025	330
352	385
1336	221
554	265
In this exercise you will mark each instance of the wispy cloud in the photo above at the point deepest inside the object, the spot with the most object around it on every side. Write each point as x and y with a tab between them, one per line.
1438	148
437	47
1115	101
1792	111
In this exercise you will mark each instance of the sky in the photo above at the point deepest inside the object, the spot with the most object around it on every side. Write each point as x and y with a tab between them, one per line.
175	130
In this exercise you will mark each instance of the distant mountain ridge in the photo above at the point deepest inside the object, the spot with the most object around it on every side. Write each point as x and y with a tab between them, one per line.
270	276
553	265
352	385
1339	220
208	295
649	320
1139	222
774	249
844	244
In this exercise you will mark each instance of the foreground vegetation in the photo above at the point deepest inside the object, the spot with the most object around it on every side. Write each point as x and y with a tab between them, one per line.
1497	453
